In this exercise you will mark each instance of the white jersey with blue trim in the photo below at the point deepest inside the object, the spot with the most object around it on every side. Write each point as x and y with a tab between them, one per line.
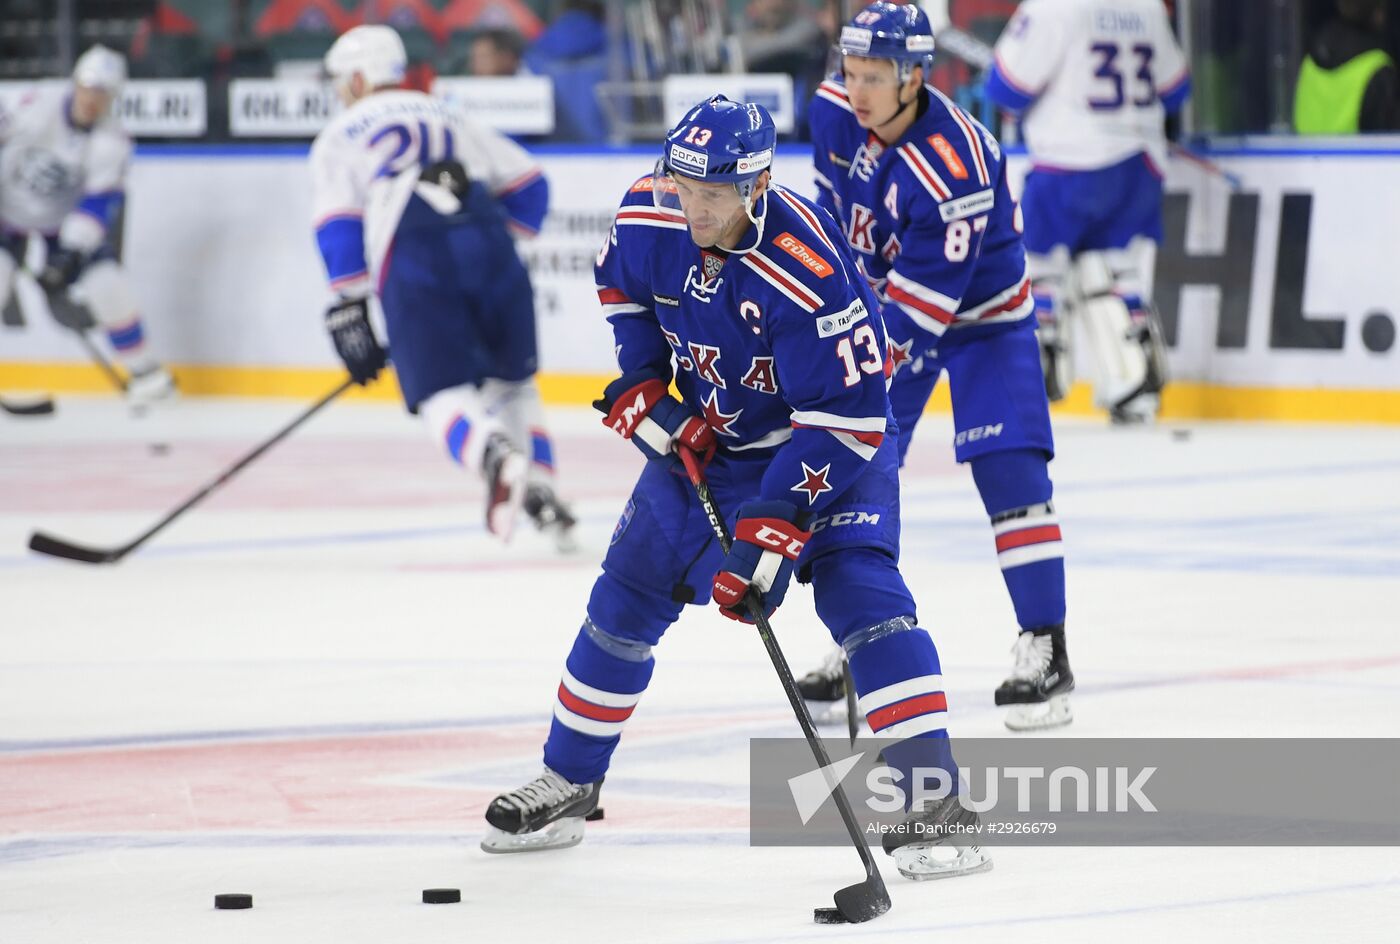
1093	78
56	178
365	163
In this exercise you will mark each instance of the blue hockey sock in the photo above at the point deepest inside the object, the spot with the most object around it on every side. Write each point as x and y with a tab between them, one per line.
1016	491
603	680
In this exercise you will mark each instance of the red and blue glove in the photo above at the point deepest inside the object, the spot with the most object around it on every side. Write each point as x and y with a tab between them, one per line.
767	541
639	407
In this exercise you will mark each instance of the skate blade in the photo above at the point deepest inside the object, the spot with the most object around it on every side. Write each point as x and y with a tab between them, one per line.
1055	713
923	863
501	515
560	834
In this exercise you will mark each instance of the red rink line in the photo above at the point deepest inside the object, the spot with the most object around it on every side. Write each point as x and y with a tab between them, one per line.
310	784
298	475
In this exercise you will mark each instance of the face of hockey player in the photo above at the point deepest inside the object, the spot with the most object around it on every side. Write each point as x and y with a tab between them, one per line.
89	105
715	211
878	98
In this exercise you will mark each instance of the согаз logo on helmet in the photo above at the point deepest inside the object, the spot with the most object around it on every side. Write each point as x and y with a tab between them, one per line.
691	160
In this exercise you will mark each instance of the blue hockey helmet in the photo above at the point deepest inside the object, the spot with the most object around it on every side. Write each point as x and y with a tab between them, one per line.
721	141
890	31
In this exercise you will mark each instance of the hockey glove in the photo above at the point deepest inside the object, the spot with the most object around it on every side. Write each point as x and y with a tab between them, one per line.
61	270
638	407
348	322
767	541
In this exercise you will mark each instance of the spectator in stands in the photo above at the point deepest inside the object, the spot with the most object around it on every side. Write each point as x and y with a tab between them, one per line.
495	52
572	51
578	32
784	36
1348	82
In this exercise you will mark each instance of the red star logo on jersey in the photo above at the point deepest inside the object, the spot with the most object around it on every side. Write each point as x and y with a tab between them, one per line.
814	483
717	419
900	355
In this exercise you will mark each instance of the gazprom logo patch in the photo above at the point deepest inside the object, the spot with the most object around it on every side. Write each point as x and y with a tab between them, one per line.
853	37
919	44
828	325
697	161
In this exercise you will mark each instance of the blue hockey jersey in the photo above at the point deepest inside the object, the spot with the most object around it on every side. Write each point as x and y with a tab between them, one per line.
778	348
929	217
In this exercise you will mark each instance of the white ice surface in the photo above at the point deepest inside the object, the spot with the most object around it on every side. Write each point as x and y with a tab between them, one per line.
308	688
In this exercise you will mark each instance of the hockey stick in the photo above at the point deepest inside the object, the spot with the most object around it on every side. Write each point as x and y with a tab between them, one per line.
100	359
76	317
1234	181
854	903
41	407
57	547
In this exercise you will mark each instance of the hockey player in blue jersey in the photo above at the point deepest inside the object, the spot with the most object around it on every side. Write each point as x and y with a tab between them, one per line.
415	203
740	292
1093	81
919	192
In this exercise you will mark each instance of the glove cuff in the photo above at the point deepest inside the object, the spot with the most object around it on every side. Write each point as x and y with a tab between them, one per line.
773	534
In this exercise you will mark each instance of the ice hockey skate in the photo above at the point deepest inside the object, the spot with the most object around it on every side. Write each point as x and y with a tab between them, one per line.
551	516
146	388
1038	689
824	689
546	813
935	843
504	468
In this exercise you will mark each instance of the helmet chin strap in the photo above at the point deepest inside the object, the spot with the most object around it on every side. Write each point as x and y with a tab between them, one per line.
901	103
756	218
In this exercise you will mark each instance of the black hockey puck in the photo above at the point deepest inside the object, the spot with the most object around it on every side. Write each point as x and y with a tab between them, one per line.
160	449
828	916
594	816
1181	435
233	902
441	896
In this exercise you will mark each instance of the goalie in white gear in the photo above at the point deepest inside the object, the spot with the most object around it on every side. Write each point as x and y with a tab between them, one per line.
63	163
416	204
1093	81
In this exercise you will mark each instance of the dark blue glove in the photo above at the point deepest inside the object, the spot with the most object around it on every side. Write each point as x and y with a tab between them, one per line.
351	333
61	269
768	538
638	406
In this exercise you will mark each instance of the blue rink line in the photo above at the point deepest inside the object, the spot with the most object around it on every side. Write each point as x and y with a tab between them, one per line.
29	849
351	729
914	496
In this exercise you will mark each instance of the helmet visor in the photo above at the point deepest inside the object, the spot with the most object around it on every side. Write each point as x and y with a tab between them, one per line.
663	189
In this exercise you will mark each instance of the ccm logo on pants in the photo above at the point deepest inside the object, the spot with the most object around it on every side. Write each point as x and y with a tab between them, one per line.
976	433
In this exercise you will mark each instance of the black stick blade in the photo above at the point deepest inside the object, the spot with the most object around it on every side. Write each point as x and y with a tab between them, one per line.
42	407
863	901
41	543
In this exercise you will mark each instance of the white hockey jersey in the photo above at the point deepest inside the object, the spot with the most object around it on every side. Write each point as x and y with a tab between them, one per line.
365	163
1093	79
57	178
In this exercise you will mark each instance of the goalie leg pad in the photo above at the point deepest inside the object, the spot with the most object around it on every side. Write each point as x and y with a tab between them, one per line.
1115	347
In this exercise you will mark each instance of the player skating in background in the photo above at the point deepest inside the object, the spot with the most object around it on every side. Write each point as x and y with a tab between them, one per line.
782	368
63	163
919	191
416	203
1093	81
